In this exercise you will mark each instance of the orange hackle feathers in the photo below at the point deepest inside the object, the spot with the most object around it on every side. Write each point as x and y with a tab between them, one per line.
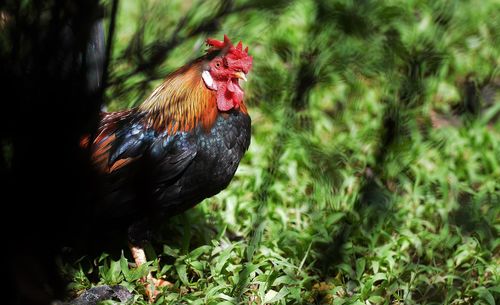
181	102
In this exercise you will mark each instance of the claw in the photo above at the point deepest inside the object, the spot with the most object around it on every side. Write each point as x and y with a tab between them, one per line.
153	286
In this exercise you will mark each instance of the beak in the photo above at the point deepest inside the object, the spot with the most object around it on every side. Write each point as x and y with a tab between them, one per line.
240	75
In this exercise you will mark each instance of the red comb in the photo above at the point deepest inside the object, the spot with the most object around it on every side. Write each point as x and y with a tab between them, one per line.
227	44
235	56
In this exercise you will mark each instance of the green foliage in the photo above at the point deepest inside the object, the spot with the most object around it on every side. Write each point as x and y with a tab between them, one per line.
367	180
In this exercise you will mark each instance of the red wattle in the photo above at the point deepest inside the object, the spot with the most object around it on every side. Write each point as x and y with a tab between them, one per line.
229	95
224	98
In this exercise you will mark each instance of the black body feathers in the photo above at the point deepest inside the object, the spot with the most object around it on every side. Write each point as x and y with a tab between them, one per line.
153	174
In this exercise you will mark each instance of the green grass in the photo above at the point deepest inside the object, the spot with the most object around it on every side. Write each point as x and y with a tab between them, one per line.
348	194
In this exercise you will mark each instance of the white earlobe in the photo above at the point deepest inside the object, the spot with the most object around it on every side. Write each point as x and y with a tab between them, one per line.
209	81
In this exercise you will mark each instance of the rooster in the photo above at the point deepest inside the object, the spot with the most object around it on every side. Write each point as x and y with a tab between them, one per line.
181	145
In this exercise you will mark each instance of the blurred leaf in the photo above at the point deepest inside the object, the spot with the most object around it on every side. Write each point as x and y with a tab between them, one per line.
376	299
485	295
273	296
182	273
360	267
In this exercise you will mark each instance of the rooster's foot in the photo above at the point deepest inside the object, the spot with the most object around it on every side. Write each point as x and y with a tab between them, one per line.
154	285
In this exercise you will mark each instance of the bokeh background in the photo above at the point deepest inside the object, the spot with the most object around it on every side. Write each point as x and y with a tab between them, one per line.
372	176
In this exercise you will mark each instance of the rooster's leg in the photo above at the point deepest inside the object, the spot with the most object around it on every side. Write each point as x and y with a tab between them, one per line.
136	247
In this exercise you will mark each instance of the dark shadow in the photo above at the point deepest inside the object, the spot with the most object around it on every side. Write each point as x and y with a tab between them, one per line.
50	71
471	216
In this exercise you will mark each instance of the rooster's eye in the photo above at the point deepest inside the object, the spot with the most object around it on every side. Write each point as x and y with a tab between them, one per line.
217	64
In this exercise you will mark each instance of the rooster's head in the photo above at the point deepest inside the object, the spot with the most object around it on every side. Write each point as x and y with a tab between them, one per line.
226	65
